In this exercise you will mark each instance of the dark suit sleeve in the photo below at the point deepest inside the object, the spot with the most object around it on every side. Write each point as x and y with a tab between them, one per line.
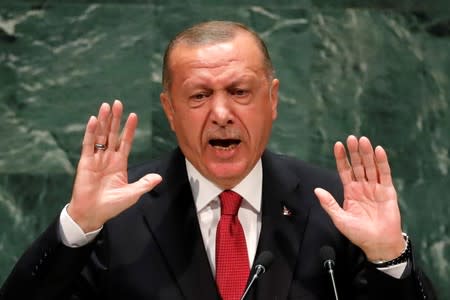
357	279
49	270
414	284
412	287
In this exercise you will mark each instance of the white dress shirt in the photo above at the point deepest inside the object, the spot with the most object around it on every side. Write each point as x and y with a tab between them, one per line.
206	198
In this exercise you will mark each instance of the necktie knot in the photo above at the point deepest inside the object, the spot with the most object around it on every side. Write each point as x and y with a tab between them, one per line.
229	202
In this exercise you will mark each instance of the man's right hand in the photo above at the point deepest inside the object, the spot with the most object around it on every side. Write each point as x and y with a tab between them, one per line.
101	189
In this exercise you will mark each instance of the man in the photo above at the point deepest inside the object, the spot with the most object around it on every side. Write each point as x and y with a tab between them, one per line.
166	230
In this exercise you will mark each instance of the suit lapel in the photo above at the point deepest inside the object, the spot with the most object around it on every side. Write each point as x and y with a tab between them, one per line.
284	219
172	219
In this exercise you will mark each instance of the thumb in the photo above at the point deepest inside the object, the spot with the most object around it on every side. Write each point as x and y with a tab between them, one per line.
329	204
145	184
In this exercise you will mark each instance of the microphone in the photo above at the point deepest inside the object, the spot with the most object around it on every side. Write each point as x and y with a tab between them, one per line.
262	264
328	256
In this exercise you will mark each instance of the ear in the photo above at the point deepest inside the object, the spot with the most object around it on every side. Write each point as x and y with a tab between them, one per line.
274	97
168	108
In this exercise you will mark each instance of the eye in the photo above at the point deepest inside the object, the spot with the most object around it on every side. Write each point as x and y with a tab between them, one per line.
239	92
197	99
199	96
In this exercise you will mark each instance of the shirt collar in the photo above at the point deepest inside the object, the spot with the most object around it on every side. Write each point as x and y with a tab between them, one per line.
204	191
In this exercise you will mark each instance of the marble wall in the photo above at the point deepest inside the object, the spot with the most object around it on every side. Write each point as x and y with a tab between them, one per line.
375	68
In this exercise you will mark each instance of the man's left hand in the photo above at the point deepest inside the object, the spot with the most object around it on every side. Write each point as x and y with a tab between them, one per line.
370	216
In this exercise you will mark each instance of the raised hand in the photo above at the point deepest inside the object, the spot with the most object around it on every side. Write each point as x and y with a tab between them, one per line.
101	189
370	216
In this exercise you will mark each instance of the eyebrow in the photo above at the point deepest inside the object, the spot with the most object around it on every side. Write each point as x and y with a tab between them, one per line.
235	81
242	78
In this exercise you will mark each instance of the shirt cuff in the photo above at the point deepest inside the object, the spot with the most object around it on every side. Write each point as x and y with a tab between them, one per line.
395	271
71	234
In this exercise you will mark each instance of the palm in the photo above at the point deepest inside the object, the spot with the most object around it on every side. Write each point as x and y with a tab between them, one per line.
370	216
101	188
101	176
369	205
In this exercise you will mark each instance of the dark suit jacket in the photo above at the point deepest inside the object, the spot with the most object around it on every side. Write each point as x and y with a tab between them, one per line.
154	250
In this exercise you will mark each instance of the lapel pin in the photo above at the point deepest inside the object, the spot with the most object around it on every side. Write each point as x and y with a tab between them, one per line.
286	211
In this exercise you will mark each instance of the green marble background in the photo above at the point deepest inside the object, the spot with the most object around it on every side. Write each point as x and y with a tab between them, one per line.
378	68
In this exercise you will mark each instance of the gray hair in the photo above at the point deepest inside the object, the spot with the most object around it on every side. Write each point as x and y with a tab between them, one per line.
209	33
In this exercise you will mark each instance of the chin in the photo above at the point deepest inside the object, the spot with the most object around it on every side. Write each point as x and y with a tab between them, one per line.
227	173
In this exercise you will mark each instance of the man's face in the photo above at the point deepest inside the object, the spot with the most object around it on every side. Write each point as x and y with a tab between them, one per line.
221	105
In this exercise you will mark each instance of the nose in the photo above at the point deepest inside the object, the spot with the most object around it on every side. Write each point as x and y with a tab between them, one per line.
221	110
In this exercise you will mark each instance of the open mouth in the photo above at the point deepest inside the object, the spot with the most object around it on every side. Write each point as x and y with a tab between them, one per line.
224	144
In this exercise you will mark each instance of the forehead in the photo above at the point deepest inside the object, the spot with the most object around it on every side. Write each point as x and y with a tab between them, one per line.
241	51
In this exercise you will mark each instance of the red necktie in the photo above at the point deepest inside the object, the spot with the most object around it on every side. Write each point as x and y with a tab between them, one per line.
232	266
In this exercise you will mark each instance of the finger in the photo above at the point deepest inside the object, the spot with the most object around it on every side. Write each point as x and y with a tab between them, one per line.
145	184
342	164
128	134
89	136
384	169
366	152
355	158
330	205
103	124
113	137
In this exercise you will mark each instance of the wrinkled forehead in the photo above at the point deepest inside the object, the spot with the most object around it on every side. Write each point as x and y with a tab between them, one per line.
242	42
242	49
215	65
